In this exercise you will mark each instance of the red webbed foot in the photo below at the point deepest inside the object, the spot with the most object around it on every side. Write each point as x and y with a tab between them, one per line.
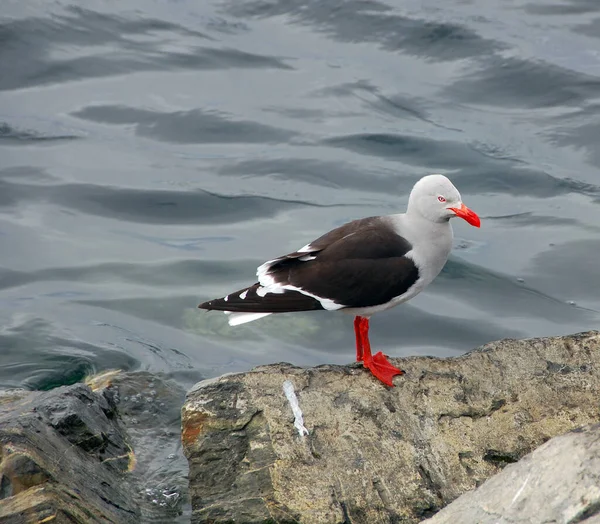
383	369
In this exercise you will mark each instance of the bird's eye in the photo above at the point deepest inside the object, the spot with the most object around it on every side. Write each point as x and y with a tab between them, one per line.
441	199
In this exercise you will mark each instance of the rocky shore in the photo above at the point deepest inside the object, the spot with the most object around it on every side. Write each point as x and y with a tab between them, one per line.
88	453
508	432
384	455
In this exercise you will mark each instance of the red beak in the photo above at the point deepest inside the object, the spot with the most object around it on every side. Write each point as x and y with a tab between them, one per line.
470	216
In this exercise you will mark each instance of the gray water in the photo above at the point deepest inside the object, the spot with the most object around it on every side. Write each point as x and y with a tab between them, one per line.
153	153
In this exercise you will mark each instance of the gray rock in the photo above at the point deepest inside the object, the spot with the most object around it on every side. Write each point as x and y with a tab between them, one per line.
558	482
63	454
93	452
376	454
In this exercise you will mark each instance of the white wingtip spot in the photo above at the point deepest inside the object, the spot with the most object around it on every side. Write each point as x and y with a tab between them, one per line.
244	294
226	298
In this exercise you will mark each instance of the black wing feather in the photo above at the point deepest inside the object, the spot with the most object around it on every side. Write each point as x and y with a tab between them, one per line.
270	303
359	264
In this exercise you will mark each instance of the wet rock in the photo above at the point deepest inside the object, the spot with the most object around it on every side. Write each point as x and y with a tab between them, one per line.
558	482
376	454
93	452
150	407
63	456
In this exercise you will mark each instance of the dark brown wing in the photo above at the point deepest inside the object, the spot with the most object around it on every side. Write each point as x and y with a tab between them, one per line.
358	282
359	264
367	267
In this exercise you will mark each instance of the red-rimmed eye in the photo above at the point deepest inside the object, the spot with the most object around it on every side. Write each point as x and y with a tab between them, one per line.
441	199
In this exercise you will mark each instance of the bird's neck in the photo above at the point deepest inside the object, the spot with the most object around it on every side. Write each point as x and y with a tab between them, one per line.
416	220
422	232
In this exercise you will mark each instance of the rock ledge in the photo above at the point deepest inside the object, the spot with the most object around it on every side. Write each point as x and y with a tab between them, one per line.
376	454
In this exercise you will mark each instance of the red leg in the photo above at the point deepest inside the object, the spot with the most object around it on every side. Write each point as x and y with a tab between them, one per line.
378	364
359	346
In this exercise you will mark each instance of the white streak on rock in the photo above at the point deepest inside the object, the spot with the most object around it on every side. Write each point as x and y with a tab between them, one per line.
518	493
288	389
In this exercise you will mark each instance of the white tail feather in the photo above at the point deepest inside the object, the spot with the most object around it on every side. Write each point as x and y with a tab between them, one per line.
235	319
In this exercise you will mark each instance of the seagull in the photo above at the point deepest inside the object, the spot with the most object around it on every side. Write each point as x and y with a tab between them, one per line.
363	267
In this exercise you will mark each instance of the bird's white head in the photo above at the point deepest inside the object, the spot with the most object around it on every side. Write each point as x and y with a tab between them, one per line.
435	198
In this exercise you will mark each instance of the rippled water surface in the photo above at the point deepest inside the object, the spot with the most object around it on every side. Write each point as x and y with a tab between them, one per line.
153	153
